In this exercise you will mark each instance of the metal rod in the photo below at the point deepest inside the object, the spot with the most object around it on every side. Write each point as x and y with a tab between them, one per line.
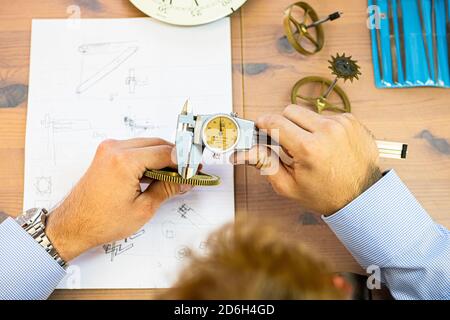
330	89
378	40
402	37
435	46
393	44
447	20
448	44
424	34
331	17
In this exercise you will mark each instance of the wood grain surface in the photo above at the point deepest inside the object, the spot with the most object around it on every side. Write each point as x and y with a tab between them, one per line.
264	70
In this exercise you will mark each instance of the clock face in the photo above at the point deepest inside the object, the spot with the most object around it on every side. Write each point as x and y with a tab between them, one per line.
220	134
188	12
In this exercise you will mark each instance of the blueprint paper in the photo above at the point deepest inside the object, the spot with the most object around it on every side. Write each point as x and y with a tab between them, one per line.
95	79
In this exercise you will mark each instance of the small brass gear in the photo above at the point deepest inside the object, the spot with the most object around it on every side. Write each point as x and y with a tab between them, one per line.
169	175
344	67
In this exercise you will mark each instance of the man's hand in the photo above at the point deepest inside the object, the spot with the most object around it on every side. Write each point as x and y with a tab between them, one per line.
335	158
107	204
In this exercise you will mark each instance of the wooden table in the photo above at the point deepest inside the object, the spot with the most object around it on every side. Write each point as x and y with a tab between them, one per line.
265	69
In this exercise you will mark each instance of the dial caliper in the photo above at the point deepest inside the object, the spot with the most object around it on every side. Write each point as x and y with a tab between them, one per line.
219	133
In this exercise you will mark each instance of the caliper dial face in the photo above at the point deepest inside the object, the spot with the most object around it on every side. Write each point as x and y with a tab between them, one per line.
188	12
220	134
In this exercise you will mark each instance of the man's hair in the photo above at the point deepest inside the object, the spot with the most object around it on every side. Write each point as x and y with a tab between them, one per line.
254	261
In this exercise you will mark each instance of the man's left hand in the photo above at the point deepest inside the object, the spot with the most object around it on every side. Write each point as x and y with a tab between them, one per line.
107	204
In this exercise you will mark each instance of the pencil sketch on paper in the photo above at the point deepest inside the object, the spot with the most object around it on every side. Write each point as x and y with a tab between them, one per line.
65	125
43	185
168	229
123	51
182	252
116	248
139	126
182	217
132	81
187	213
57	126
183	210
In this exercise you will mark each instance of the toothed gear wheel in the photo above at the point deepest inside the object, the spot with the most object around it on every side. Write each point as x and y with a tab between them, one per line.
169	175
344	67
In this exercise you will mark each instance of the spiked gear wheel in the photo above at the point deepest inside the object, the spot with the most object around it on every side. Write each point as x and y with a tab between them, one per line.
344	67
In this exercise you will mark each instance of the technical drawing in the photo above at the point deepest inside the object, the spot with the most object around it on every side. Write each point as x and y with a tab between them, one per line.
182	252
139	127
170	234
56	126
186	212
183	210
43	186
118	247
113	96
124	49
168	229
65	125
132	81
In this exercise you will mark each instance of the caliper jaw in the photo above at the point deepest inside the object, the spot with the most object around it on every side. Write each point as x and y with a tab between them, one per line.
189	151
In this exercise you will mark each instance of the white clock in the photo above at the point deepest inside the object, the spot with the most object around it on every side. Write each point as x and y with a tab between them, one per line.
188	12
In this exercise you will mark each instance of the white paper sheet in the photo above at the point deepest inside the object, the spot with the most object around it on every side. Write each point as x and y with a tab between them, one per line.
94	79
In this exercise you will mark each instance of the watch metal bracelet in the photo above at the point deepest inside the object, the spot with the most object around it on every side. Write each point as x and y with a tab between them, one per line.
37	231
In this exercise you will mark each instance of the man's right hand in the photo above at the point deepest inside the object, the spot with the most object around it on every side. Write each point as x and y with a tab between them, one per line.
335	158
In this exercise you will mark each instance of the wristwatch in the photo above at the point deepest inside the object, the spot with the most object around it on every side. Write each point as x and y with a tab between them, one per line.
33	221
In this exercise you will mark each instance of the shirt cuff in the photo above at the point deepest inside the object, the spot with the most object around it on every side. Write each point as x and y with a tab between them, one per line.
27	271
381	223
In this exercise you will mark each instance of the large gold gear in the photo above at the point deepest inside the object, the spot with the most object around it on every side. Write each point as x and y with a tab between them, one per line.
169	175
320	103
344	67
296	30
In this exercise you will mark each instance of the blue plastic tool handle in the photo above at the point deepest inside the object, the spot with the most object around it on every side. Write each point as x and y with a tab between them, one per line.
416	70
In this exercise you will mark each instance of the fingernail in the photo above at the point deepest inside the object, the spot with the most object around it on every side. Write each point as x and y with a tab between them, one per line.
184	188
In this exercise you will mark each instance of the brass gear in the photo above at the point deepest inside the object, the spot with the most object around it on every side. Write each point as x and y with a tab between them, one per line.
170	175
344	67
320	103
296	30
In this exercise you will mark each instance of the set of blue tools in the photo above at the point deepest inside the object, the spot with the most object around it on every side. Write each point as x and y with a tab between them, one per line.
410	42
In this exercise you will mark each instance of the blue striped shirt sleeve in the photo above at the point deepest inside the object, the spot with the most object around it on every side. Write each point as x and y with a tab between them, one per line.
27	271
386	227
